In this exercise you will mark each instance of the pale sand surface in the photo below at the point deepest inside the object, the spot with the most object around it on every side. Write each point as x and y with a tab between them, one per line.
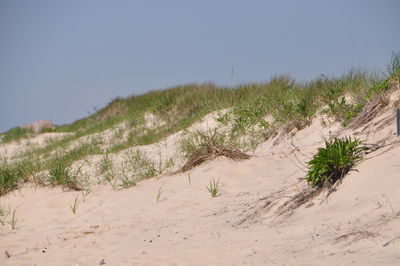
10	150
358	224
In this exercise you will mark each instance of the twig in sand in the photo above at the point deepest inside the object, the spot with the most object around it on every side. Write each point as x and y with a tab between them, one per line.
295	148
391	207
389	242
357	235
294	163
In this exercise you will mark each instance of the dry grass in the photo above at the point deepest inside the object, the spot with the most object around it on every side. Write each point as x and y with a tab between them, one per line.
212	152
203	146
355	236
370	110
297	200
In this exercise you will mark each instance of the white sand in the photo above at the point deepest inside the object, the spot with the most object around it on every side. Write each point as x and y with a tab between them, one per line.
358	224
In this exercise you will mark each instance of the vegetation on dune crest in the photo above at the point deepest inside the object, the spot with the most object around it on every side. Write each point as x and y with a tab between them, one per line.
15	133
253	113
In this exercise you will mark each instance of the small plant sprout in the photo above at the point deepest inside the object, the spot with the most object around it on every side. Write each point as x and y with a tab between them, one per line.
3	216
74	207
160	191
13	221
85	193
213	188
190	180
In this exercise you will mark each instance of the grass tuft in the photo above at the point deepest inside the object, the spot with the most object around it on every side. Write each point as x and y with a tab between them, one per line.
207	145
213	188
74	206
334	161
9	178
62	174
15	134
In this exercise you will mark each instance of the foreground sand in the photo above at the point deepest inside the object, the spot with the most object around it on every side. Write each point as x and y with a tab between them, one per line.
358	224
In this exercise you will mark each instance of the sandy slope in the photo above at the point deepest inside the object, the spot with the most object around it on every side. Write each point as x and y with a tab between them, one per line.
358	224
13	149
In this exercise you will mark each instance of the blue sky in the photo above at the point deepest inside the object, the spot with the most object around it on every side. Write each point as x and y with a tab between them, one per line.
61	59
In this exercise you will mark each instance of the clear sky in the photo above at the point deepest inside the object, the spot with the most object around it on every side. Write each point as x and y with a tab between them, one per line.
61	59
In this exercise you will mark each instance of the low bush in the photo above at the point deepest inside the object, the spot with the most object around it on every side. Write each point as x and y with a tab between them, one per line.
334	161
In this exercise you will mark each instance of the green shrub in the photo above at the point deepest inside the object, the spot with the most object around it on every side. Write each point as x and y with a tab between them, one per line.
334	161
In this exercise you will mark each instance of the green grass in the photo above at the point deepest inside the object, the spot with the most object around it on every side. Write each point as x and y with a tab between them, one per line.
74	206
13	220
160	191
15	134
334	161
200	142
214	188
136	166
105	164
62	174
10	177
3	216
393	67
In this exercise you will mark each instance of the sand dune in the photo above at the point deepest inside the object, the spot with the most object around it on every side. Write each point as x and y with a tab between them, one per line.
357	224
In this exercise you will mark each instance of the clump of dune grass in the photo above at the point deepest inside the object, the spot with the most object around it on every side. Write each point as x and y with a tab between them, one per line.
9	178
202	146
105	164
12	174
393	66
62	174
135	167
